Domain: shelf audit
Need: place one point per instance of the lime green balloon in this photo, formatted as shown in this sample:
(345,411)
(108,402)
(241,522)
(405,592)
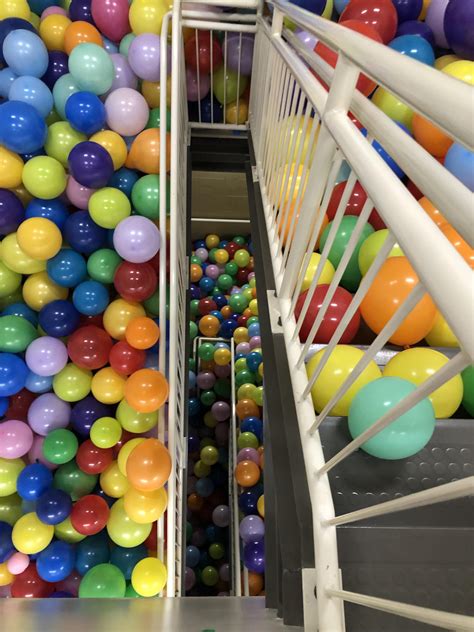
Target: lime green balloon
(134,421)
(103,580)
(60,446)
(105,432)
(10,508)
(216,550)
(146,196)
(74,481)
(468,382)
(61,139)
(247,440)
(125,44)
(62,90)
(154,119)
(9,281)
(109,206)
(257,396)
(102,264)
(9,471)
(65,531)
(16,333)
(209,576)
(92,67)
(370,248)
(72,383)
(226,85)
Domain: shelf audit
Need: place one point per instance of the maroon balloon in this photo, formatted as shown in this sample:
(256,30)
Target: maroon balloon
(381,14)
(111,18)
(126,436)
(89,514)
(89,347)
(93,460)
(135,281)
(200,52)
(19,405)
(334,314)
(354,206)
(30,585)
(206,306)
(125,359)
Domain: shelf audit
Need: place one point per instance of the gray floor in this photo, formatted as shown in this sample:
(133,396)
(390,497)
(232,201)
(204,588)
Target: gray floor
(192,614)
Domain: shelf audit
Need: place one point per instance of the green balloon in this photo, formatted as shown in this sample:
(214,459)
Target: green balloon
(352,276)
(238,302)
(70,479)
(60,446)
(194,307)
(225,281)
(146,196)
(61,139)
(195,259)
(208,398)
(192,364)
(252,320)
(102,264)
(206,351)
(103,580)
(154,119)
(16,333)
(152,304)
(125,44)
(223,388)
(247,440)
(227,86)
(193,330)
(240,239)
(244,377)
(131,593)
(231,268)
(9,281)
(209,576)
(63,88)
(468,382)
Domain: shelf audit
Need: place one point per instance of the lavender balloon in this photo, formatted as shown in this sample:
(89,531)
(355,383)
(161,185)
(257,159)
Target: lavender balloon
(46,356)
(206,380)
(255,342)
(248,454)
(252,529)
(240,53)
(435,20)
(127,111)
(220,411)
(124,76)
(144,57)
(221,516)
(16,438)
(308,39)
(243,347)
(137,239)
(47,413)
(196,90)
(222,371)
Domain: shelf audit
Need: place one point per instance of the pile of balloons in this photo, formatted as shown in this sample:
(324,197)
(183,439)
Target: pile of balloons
(82,474)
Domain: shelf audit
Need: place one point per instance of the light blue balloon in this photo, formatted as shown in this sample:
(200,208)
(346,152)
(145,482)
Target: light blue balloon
(109,46)
(92,68)
(38,384)
(7,77)
(405,436)
(343,173)
(414,46)
(33,91)
(25,53)
(63,88)
(460,162)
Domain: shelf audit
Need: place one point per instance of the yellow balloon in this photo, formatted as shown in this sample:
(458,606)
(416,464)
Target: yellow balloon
(117,316)
(65,531)
(237,116)
(6,577)
(293,133)
(326,275)
(340,365)
(391,105)
(151,91)
(107,386)
(17,260)
(113,482)
(426,4)
(114,144)
(52,30)
(417,365)
(328,9)
(145,507)
(105,432)
(10,508)
(9,471)
(72,383)
(371,246)
(11,168)
(14,9)
(441,334)
(261,506)
(44,177)
(61,140)
(462,70)
(134,421)
(146,16)
(39,237)
(30,535)
(124,531)
(444,60)
(125,453)
(149,577)
(39,290)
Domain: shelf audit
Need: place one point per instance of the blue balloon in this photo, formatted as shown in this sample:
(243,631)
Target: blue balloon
(204,487)
(215,533)
(254,360)
(13,374)
(54,506)
(4,403)
(126,558)
(21,309)
(227,328)
(206,284)
(254,556)
(83,234)
(68,268)
(59,318)
(460,162)
(33,91)
(253,425)
(248,502)
(60,594)
(204,560)
(414,27)
(314,6)
(386,157)
(22,129)
(56,561)
(38,384)
(92,551)
(194,406)
(85,412)
(86,112)
(11,24)
(7,77)
(220,300)
(211,112)
(6,544)
(33,481)
(414,46)
(192,556)
(90,298)
(38,6)
(124,179)
(191,380)
(254,329)
(25,53)
(407,9)
(109,46)
(54,210)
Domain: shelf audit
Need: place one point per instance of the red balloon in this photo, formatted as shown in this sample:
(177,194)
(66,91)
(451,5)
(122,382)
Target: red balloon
(206,306)
(336,310)
(89,514)
(93,460)
(242,275)
(89,347)
(242,320)
(232,248)
(202,51)
(30,585)
(111,18)
(19,405)
(354,206)
(364,84)
(135,281)
(380,14)
(152,540)
(125,359)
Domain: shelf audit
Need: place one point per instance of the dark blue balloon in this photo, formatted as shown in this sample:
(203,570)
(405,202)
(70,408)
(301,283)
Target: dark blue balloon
(11,212)
(199,243)
(68,268)
(215,533)
(21,309)
(13,374)
(194,291)
(83,234)
(248,502)
(56,561)
(90,164)
(53,506)
(192,556)
(253,425)
(33,154)
(220,300)
(193,442)
(407,9)
(61,594)
(59,318)
(38,6)
(11,24)
(206,111)
(90,298)
(206,284)
(92,551)
(6,544)
(57,67)
(194,406)
(124,179)
(98,491)
(227,328)
(386,157)
(459,27)
(314,6)
(85,112)
(126,558)
(22,129)
(85,412)
(81,10)
(33,481)
(54,210)
(204,487)
(4,403)
(205,560)
(413,27)
(254,556)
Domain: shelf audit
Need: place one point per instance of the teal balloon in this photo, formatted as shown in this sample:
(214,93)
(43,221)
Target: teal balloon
(92,68)
(125,44)
(16,333)
(352,276)
(405,436)
(63,88)
(468,383)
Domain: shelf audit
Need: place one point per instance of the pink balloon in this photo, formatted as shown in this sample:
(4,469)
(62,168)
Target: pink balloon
(196,90)
(52,11)
(127,111)
(35,455)
(78,195)
(18,563)
(16,438)
(111,18)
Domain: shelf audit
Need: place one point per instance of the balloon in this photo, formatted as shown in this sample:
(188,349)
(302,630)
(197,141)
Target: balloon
(124,180)
(58,318)
(124,76)
(11,168)
(10,470)
(114,144)
(145,507)
(44,177)
(441,334)
(108,386)
(11,212)
(29,584)
(39,290)
(6,545)
(133,421)
(85,112)
(124,531)
(16,333)
(146,390)
(34,92)
(252,529)
(89,347)
(90,165)
(370,248)
(90,298)
(92,459)
(239,53)
(199,53)
(57,68)
(146,16)
(125,360)
(137,239)
(30,535)
(254,556)
(48,413)
(105,432)
(25,53)
(13,374)
(10,505)
(56,562)
(16,438)
(144,57)
(11,21)
(92,551)
(17,563)
(126,558)
(117,316)
(69,478)
(127,111)
(60,446)
(429,136)
(149,465)
(407,9)
(113,482)
(33,481)
(458,23)
(227,85)
(108,207)
(144,153)
(65,531)
(339,366)
(89,515)
(435,20)
(379,14)
(421,29)
(72,383)
(92,68)
(460,162)
(391,286)
(102,264)
(142,333)
(135,281)
(22,128)
(83,234)
(63,88)
(111,17)
(39,238)
(414,46)
(395,109)
(149,577)
(247,473)
(67,268)
(53,507)
(324,278)
(104,581)
(80,10)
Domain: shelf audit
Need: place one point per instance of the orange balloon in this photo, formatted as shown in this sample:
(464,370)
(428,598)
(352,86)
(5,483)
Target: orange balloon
(195,272)
(247,408)
(255,583)
(208,365)
(142,333)
(195,502)
(226,311)
(434,140)
(81,33)
(146,390)
(393,283)
(209,326)
(433,212)
(149,465)
(464,249)
(247,473)
(144,153)
(286,222)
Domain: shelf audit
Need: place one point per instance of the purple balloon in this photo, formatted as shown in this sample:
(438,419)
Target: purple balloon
(413,27)
(459,27)
(57,67)
(308,39)
(221,516)
(136,239)
(189,578)
(222,433)
(197,90)
(206,380)
(78,194)
(220,411)
(46,356)
(12,212)
(16,438)
(48,413)
(248,454)
(81,10)
(212,271)
(85,412)
(243,347)
(435,20)
(35,455)
(222,371)
(255,342)
(91,165)
(144,57)
(407,9)
(254,556)
(240,53)
(124,76)
(252,529)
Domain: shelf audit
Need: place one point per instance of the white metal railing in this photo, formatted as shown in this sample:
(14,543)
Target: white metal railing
(296,175)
